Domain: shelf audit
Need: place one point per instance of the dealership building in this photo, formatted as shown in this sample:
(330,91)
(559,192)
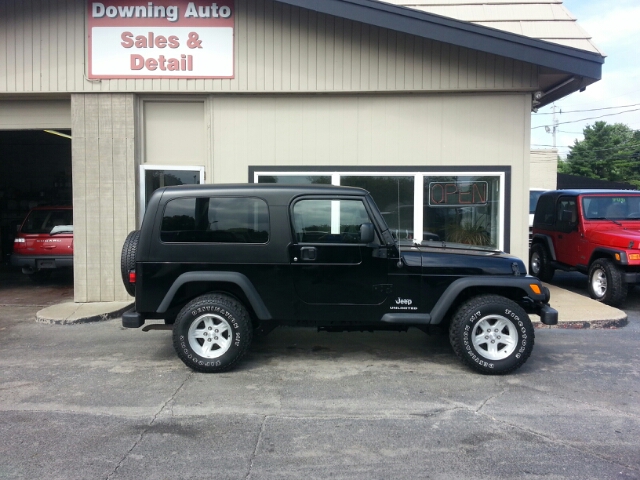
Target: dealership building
(428,106)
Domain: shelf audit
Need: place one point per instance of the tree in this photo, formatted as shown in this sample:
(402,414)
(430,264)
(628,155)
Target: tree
(608,152)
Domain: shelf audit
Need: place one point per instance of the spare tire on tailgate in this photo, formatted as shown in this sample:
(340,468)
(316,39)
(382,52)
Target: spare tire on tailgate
(128,260)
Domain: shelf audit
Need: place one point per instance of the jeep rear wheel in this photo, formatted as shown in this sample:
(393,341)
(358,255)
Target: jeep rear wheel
(211,333)
(539,263)
(606,284)
(492,334)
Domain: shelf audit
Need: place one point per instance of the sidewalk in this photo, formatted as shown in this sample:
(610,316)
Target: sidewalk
(575,311)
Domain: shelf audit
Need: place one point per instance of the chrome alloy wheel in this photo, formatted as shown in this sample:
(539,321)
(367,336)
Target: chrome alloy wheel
(536,263)
(599,282)
(209,336)
(494,337)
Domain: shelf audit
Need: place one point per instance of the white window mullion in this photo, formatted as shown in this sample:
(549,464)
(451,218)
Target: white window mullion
(335,217)
(418,205)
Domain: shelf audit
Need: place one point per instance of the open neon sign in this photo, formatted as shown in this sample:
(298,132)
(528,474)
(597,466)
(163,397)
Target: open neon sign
(458,194)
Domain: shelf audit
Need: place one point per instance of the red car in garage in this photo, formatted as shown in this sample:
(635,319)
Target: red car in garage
(44,242)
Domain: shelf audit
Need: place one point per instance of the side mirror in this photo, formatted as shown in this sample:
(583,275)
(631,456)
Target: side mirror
(367,234)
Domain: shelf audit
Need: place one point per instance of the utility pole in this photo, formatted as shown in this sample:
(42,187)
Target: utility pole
(553,129)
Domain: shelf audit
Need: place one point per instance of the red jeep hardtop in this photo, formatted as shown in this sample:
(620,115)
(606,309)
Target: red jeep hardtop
(596,232)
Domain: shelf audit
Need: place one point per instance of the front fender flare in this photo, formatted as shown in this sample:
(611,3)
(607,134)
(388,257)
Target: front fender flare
(457,287)
(227,277)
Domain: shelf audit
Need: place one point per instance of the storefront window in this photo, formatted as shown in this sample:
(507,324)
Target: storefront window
(153,177)
(463,209)
(394,196)
(296,179)
(424,205)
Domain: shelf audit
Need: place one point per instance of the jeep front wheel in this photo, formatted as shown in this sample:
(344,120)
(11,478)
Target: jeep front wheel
(606,284)
(539,263)
(491,334)
(211,333)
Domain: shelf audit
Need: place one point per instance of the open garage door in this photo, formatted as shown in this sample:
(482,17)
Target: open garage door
(35,166)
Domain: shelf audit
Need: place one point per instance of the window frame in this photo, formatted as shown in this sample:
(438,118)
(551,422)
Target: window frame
(142,192)
(502,172)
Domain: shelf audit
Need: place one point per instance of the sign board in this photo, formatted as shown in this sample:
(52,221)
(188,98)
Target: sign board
(458,194)
(160,39)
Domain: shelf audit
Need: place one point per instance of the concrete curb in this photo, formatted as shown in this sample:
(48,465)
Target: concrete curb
(594,324)
(72,313)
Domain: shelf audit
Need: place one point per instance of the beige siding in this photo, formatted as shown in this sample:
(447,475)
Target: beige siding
(23,114)
(370,131)
(174,133)
(103,192)
(278,48)
(544,169)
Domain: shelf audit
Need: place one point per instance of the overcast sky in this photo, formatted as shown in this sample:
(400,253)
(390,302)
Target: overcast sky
(615,28)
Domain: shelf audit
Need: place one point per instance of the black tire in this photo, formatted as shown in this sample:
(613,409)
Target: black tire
(484,350)
(606,284)
(195,332)
(540,263)
(128,260)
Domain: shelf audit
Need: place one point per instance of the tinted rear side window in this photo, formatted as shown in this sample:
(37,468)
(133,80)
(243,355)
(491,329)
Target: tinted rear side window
(215,220)
(545,211)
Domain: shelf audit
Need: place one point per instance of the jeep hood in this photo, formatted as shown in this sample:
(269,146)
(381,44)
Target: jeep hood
(458,261)
(619,237)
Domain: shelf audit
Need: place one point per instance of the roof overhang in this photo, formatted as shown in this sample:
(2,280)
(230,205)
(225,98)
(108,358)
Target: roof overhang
(581,66)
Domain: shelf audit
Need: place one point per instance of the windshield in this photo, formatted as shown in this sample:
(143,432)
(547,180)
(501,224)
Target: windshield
(44,221)
(611,207)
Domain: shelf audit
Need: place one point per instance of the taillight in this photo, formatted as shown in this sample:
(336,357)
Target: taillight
(19,243)
(132,276)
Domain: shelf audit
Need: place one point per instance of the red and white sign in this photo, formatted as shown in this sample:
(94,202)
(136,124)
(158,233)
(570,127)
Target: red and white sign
(160,39)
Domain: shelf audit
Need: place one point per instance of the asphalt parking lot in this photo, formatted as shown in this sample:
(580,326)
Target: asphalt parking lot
(99,401)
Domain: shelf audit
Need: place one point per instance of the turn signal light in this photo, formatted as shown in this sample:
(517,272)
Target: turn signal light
(634,256)
(535,288)
(132,276)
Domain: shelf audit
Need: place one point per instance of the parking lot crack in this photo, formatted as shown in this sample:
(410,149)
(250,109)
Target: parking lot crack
(492,397)
(565,444)
(169,401)
(255,450)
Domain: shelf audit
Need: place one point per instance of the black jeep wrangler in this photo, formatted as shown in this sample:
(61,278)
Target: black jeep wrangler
(224,262)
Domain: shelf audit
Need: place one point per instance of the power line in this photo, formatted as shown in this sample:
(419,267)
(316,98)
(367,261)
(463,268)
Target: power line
(591,109)
(590,118)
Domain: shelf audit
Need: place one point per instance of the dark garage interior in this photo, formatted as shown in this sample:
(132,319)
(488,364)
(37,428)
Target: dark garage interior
(35,169)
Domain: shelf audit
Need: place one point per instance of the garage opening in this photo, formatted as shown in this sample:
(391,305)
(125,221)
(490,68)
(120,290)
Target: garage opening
(35,171)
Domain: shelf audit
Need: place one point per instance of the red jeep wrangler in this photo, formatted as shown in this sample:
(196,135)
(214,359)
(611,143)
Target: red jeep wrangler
(44,242)
(596,232)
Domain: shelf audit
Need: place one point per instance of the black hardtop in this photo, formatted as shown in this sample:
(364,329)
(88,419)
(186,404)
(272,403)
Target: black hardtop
(274,194)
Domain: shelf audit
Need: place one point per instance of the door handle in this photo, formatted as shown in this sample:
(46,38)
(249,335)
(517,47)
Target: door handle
(309,253)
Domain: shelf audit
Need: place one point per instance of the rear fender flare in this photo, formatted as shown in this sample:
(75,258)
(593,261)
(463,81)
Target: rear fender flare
(547,242)
(227,277)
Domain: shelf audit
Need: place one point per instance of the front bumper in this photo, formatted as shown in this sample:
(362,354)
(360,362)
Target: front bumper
(548,315)
(32,264)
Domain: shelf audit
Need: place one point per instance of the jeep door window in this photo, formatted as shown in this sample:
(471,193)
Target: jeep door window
(329,221)
(215,220)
